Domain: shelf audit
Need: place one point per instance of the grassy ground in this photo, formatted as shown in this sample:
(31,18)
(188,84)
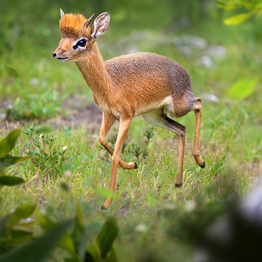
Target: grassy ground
(153,215)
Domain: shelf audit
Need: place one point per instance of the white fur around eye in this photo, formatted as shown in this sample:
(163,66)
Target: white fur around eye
(82,38)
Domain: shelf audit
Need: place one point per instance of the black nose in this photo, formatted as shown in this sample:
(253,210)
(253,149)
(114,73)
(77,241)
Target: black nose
(54,54)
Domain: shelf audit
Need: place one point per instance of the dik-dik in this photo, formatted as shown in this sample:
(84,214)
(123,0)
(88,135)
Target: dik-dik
(128,86)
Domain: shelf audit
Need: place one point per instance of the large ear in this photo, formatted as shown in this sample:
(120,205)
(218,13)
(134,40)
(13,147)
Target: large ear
(61,13)
(100,25)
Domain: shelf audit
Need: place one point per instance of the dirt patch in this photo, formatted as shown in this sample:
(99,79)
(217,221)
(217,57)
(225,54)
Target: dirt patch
(77,114)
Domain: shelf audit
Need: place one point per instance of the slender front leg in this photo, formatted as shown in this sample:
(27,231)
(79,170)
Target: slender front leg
(198,111)
(107,122)
(123,129)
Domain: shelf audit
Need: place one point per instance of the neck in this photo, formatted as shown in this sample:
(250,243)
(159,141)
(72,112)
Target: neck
(94,72)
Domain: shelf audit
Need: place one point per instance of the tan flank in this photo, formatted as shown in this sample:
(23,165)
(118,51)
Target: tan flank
(128,86)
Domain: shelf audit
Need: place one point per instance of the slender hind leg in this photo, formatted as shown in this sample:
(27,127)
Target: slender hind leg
(159,118)
(198,111)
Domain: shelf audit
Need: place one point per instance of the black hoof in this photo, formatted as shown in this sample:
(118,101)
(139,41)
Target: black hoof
(178,185)
(103,208)
(203,166)
(135,165)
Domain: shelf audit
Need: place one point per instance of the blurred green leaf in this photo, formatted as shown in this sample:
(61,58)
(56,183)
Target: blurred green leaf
(20,236)
(105,193)
(228,5)
(106,237)
(243,88)
(65,242)
(8,143)
(3,223)
(38,249)
(91,254)
(12,160)
(20,213)
(10,180)
(80,231)
(235,20)
(111,256)
(68,135)
(11,72)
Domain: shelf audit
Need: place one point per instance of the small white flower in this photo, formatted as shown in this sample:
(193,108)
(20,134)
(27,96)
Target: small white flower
(41,135)
(190,206)
(64,148)
(26,220)
(141,228)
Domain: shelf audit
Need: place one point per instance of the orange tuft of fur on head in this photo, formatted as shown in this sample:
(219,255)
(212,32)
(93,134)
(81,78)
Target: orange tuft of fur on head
(73,26)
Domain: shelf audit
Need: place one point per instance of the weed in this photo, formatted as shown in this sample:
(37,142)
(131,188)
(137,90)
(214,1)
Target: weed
(44,155)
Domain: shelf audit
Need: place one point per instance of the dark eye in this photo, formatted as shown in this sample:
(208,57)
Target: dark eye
(81,43)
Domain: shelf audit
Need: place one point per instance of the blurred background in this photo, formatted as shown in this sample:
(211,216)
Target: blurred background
(224,63)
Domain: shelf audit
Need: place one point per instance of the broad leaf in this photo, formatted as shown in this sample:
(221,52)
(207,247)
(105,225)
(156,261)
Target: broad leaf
(11,71)
(65,242)
(235,20)
(20,236)
(106,237)
(20,213)
(91,254)
(11,160)
(111,256)
(243,88)
(8,143)
(10,180)
(38,249)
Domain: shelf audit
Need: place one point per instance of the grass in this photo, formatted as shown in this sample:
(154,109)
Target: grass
(150,210)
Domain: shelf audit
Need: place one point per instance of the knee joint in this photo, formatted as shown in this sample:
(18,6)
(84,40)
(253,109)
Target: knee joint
(102,141)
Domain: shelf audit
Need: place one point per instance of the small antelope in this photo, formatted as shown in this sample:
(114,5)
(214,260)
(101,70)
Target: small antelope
(127,86)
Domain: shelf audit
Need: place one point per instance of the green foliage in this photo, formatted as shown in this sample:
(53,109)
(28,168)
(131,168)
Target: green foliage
(38,249)
(253,6)
(6,145)
(136,150)
(12,233)
(42,106)
(106,237)
(11,71)
(243,88)
(47,157)
(15,241)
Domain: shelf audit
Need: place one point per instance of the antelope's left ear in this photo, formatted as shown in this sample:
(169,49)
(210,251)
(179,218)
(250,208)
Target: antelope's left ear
(61,13)
(100,25)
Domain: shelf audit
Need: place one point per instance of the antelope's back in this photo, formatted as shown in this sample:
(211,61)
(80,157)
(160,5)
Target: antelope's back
(147,71)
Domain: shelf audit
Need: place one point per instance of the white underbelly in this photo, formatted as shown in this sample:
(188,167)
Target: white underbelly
(165,102)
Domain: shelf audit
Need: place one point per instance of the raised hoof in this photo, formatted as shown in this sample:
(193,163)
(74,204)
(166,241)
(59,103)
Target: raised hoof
(178,185)
(203,166)
(102,208)
(135,165)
